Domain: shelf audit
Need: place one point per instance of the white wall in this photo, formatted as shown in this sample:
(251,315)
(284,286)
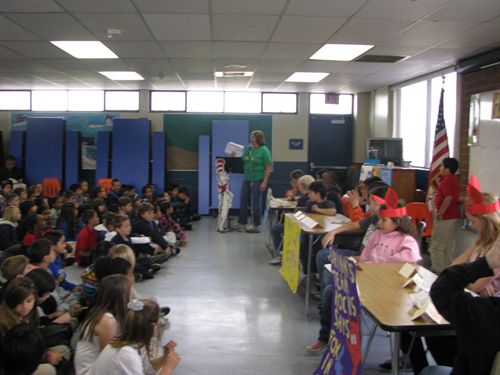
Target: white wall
(362,126)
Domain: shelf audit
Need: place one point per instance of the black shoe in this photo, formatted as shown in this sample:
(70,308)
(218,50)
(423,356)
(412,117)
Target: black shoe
(159,259)
(164,311)
(155,267)
(188,227)
(138,277)
(176,251)
(195,218)
(387,365)
(69,261)
(147,275)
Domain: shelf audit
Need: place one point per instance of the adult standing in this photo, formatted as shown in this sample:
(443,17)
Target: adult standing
(257,166)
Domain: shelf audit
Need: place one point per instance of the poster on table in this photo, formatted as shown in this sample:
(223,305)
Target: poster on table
(88,124)
(290,260)
(343,353)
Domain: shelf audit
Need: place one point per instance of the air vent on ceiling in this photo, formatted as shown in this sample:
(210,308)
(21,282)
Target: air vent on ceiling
(233,74)
(379,58)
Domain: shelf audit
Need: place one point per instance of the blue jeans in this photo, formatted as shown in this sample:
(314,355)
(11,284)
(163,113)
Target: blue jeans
(277,236)
(250,194)
(436,370)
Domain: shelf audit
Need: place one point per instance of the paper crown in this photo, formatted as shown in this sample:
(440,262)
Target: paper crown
(476,205)
(391,201)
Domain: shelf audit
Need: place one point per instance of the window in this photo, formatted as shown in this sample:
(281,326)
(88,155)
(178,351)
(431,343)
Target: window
(86,100)
(121,101)
(417,112)
(15,100)
(242,102)
(205,101)
(49,100)
(279,102)
(317,105)
(168,101)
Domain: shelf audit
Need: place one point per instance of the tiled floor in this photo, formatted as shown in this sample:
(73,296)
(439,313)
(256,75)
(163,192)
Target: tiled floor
(232,313)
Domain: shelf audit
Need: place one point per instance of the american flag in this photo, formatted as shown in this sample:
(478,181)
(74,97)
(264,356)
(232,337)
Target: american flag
(440,149)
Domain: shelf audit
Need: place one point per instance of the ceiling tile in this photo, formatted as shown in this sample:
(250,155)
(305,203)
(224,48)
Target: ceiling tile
(135,49)
(131,25)
(28,65)
(10,31)
(105,64)
(323,8)
(270,76)
(399,10)
(173,6)
(321,66)
(238,49)
(187,49)
(192,65)
(65,64)
(199,85)
(36,49)
(290,50)
(264,86)
(306,29)
(466,10)
(179,26)
(30,6)
(243,27)
(368,31)
(251,64)
(485,35)
(98,6)
(429,33)
(8,54)
(395,50)
(150,67)
(269,7)
(269,65)
(52,26)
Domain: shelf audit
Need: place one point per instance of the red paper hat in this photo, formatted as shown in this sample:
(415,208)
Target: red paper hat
(477,207)
(391,202)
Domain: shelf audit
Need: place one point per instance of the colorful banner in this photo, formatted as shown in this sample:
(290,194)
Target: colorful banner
(87,123)
(291,249)
(343,355)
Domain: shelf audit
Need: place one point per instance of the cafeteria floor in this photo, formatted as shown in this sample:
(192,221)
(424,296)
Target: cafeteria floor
(232,313)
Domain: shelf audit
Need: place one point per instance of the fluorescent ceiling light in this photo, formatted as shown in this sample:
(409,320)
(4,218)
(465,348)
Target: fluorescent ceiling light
(340,52)
(123,76)
(306,77)
(85,49)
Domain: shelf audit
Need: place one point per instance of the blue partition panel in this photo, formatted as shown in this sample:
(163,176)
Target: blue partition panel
(130,151)
(158,153)
(72,164)
(44,148)
(204,174)
(102,155)
(17,140)
(224,131)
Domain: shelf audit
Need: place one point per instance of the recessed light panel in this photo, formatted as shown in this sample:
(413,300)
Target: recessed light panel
(123,76)
(85,49)
(306,77)
(340,52)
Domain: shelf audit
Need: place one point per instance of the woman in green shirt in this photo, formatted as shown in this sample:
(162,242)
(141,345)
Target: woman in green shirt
(257,166)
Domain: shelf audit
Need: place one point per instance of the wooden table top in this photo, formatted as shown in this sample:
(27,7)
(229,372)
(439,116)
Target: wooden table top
(381,294)
(326,223)
(282,203)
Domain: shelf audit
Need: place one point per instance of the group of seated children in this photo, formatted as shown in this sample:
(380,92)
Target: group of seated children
(116,331)
(388,236)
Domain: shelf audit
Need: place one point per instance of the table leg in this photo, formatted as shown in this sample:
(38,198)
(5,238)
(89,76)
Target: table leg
(308,276)
(396,344)
(269,242)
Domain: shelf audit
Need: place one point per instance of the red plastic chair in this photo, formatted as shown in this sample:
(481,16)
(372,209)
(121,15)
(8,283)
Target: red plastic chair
(419,212)
(51,187)
(106,184)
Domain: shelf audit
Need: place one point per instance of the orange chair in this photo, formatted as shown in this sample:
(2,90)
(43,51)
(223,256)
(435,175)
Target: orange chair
(51,187)
(419,212)
(106,184)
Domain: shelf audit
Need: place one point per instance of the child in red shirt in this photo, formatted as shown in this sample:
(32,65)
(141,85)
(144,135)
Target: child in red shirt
(446,216)
(87,238)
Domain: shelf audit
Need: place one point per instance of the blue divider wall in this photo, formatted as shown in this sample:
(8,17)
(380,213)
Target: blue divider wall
(130,151)
(158,167)
(203,174)
(72,152)
(44,148)
(102,156)
(224,131)
(17,141)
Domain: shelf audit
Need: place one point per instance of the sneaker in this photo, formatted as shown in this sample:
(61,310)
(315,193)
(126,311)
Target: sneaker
(316,347)
(387,365)
(237,226)
(155,267)
(164,311)
(138,277)
(276,261)
(252,229)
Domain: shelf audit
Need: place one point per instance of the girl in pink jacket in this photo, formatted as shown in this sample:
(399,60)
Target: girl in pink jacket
(395,240)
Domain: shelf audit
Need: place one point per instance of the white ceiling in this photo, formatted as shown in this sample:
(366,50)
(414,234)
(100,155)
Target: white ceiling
(178,44)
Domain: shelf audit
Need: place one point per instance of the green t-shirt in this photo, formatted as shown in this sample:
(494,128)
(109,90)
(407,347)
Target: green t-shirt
(255,161)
